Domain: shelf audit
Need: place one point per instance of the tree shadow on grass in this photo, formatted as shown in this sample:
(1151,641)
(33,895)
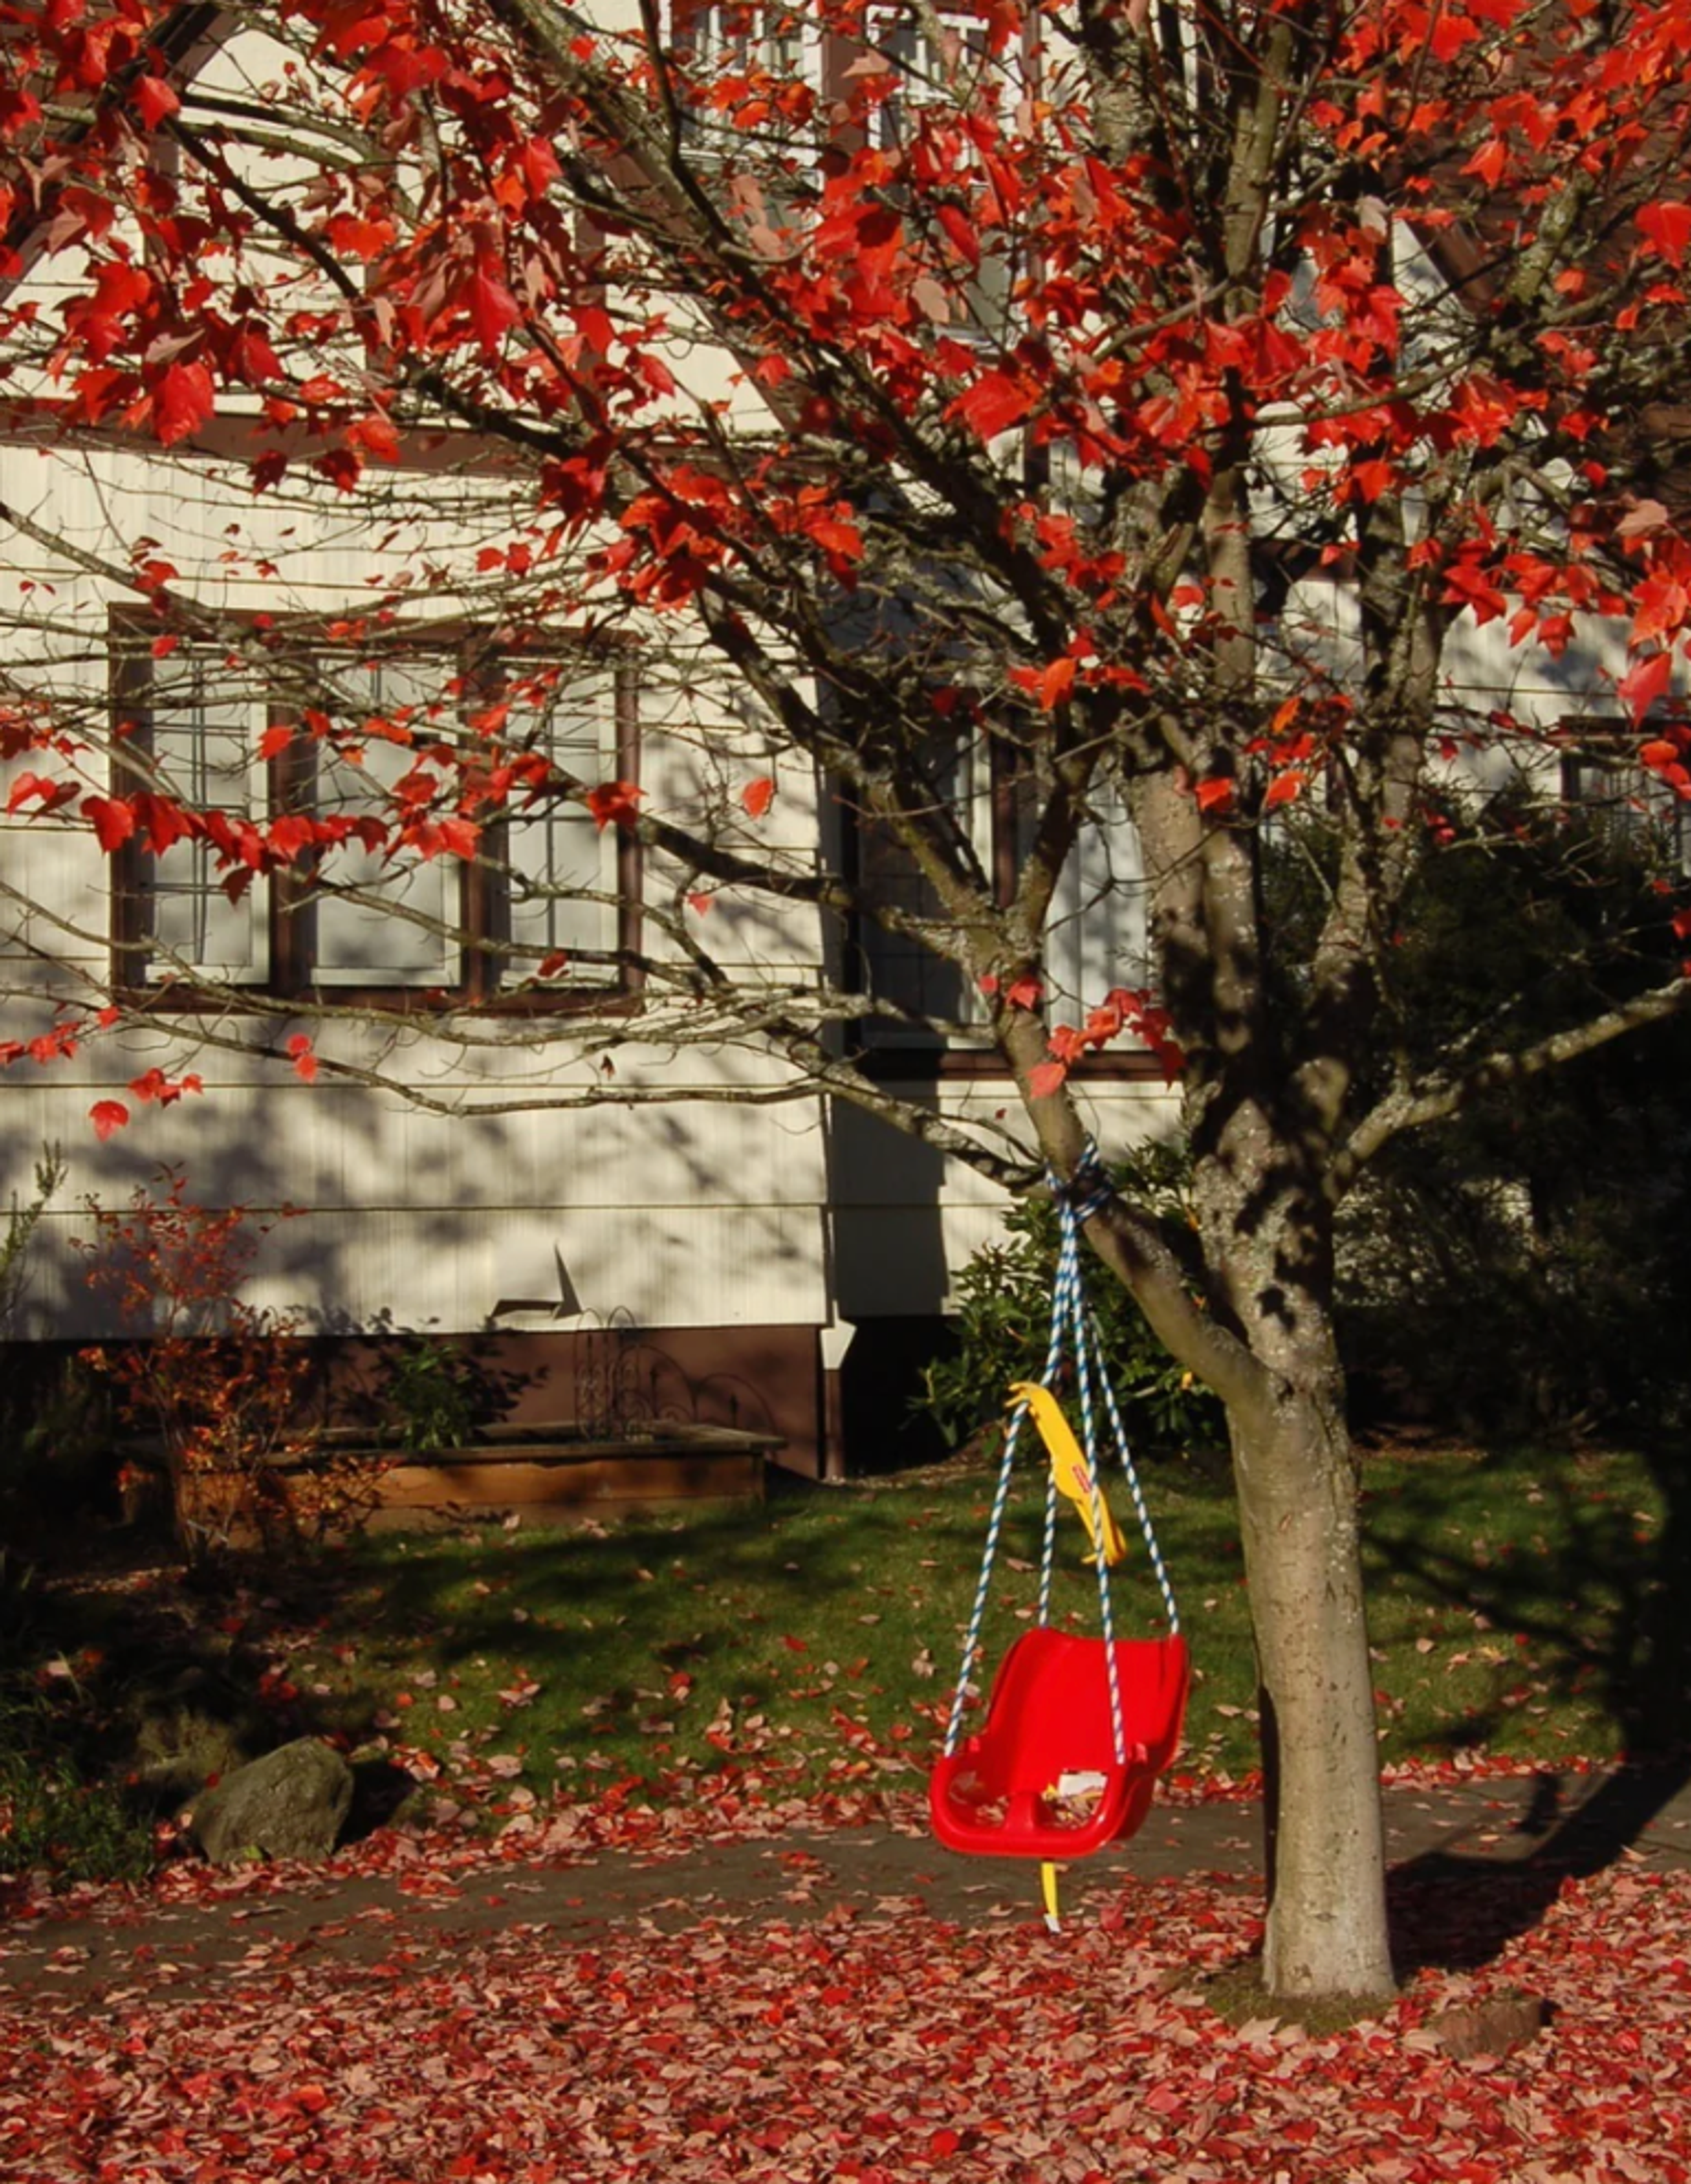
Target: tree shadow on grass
(808,1603)
(1603,1618)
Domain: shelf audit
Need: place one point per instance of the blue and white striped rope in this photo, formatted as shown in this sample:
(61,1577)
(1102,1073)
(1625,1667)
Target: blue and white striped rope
(995,1523)
(1087,1194)
(1073,1325)
(1141,1508)
(1047,1561)
(1072,1306)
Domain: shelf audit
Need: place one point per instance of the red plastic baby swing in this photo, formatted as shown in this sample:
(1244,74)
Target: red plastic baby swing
(1022,1786)
(1077,1729)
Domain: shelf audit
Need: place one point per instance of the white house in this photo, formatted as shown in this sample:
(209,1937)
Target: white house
(480,1160)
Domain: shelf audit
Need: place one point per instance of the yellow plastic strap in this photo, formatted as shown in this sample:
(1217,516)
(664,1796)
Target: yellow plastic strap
(1071,1470)
(1047,1882)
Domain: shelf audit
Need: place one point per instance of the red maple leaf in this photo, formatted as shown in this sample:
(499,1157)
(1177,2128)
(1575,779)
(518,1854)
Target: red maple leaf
(113,821)
(1666,225)
(154,100)
(183,397)
(1645,683)
(614,803)
(493,310)
(166,1090)
(960,233)
(993,404)
(1215,795)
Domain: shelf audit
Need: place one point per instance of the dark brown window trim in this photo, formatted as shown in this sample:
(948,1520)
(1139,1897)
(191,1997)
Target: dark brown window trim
(926,1060)
(907,1064)
(131,633)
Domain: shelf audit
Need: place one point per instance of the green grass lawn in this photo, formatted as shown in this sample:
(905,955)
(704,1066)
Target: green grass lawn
(1522,1605)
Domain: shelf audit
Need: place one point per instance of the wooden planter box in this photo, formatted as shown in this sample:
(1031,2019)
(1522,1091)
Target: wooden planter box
(542,1473)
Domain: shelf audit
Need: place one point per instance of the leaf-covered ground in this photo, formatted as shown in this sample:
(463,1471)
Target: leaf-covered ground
(825,2038)
(866,2047)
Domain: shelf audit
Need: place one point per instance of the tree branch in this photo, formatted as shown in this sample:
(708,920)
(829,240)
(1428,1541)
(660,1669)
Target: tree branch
(1442,1095)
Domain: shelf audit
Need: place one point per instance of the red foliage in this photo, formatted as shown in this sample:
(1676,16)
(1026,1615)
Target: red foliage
(220,1382)
(1126,360)
(827,2041)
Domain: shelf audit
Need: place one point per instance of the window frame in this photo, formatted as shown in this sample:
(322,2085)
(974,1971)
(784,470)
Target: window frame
(477,927)
(915,1056)
(1605,748)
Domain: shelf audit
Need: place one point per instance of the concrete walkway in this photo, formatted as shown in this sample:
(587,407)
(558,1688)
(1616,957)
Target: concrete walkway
(1471,1863)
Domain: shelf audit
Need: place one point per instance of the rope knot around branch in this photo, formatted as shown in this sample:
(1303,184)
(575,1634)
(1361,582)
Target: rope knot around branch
(1088,1190)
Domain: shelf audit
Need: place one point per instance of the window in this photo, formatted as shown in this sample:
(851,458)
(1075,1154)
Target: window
(941,56)
(1604,778)
(726,39)
(941,59)
(893,965)
(242,739)
(1096,937)
(749,73)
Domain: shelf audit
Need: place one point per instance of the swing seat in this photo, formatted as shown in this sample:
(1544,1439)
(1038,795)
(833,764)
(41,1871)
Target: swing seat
(1047,1728)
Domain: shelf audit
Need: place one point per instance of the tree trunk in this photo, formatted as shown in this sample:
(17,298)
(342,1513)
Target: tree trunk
(1327,1917)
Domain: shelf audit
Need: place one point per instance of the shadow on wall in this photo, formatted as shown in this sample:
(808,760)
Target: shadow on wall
(889,1279)
(480,1208)
(686,1215)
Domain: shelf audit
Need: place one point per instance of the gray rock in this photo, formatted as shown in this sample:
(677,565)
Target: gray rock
(291,1804)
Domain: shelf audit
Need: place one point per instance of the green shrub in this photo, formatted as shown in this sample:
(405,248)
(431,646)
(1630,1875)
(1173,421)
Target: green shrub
(1517,1270)
(432,1392)
(1003,1324)
(52,1816)
(53,1819)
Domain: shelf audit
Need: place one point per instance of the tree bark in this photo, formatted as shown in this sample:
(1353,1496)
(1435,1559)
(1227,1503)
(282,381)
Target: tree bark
(1326,1932)
(1267,1235)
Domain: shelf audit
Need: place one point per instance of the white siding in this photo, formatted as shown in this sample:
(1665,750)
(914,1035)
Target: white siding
(695,1216)
(906,1219)
(697,1213)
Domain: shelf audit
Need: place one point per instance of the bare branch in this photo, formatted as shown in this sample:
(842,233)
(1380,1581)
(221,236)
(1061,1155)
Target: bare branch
(1439,1096)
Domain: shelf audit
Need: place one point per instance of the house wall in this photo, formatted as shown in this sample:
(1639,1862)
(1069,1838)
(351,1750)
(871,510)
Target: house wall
(745,1243)
(768,1243)
(697,1226)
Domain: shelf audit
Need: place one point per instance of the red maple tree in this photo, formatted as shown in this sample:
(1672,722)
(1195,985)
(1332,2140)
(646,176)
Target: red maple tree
(1255,421)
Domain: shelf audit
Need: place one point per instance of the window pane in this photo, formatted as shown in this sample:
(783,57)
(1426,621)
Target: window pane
(746,37)
(205,744)
(1095,938)
(897,968)
(563,875)
(941,59)
(405,934)
(547,880)
(1630,805)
